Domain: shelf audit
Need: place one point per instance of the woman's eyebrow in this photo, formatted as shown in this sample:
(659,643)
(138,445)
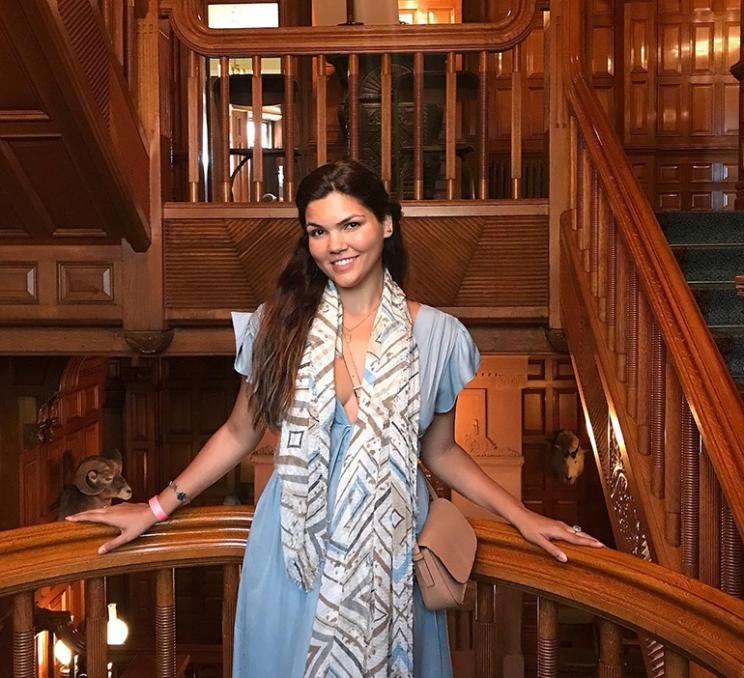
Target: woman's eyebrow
(343,221)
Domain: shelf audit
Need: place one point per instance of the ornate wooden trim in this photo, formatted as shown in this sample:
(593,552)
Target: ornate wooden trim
(189,24)
(688,615)
(148,343)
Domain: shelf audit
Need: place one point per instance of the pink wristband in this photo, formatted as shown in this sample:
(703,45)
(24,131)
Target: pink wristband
(157,509)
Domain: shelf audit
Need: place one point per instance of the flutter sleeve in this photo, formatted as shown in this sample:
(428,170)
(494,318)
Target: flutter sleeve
(245,326)
(459,367)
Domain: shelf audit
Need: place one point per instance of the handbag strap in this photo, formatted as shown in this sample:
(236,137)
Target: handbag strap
(432,492)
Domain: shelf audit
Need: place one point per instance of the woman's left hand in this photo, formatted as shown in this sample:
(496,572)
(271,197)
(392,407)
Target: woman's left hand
(543,531)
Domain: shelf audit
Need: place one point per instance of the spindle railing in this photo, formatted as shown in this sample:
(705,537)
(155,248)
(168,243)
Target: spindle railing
(695,620)
(669,434)
(395,58)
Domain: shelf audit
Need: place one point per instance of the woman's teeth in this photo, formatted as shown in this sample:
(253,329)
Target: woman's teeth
(340,263)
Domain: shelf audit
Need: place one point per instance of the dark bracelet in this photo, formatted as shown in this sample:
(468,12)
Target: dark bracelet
(180,494)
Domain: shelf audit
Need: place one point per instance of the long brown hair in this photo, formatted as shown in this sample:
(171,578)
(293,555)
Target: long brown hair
(287,316)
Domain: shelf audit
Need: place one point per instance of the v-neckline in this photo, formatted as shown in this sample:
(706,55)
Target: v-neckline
(349,422)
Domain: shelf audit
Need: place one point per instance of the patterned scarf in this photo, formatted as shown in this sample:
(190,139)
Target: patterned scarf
(361,547)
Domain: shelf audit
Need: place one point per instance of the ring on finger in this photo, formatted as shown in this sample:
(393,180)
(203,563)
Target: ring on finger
(577,529)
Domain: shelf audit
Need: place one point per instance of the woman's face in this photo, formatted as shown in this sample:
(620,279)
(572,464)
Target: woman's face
(345,238)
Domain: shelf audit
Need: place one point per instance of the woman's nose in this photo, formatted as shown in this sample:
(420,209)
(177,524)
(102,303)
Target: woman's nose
(336,241)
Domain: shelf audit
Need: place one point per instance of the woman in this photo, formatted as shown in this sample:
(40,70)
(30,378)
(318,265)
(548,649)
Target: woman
(361,382)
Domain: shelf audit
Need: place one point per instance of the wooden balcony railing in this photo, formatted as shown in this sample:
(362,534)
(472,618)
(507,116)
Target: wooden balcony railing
(405,93)
(695,621)
(665,415)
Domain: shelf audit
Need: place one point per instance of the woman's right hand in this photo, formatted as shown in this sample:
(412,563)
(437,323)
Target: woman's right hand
(131,519)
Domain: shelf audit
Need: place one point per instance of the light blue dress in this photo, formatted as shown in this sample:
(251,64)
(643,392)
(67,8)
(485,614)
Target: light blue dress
(274,615)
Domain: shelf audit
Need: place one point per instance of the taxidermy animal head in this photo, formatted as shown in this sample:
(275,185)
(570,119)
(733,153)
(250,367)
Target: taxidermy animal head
(567,458)
(96,481)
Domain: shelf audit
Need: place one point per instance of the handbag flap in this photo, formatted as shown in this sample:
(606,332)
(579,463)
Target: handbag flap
(449,535)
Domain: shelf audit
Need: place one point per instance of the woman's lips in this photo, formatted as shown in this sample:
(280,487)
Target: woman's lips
(345,263)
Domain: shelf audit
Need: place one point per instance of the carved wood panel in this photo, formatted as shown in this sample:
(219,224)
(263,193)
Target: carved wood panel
(498,262)
(61,284)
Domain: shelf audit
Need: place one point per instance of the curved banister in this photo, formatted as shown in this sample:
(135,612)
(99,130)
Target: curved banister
(707,384)
(501,35)
(700,621)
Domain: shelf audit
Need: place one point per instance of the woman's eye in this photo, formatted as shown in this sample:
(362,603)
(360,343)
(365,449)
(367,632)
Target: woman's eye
(352,224)
(316,232)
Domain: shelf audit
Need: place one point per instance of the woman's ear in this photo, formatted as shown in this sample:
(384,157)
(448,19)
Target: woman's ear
(387,226)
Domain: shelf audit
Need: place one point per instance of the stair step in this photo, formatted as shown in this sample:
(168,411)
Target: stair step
(702,227)
(730,342)
(710,262)
(719,303)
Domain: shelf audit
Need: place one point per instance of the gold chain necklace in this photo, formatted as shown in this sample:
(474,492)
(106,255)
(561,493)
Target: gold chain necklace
(347,331)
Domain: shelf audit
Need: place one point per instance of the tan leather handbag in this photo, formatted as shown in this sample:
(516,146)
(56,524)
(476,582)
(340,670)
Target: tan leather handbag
(444,554)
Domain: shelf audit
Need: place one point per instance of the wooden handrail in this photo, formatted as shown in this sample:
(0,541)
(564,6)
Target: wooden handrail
(188,23)
(707,384)
(699,621)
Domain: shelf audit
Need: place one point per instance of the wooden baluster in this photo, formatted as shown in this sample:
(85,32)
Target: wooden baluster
(165,624)
(354,106)
(604,218)
(547,638)
(573,170)
(386,121)
(483,126)
(690,490)
(610,650)
(658,397)
(621,311)
(587,178)
(418,126)
(632,343)
(130,49)
(675,665)
(257,109)
(288,127)
(224,115)
(594,236)
(194,123)
(611,283)
(485,630)
(118,32)
(321,131)
(643,400)
(96,647)
(450,129)
(107,10)
(709,542)
(731,554)
(516,123)
(672,457)
(24,645)
(230,579)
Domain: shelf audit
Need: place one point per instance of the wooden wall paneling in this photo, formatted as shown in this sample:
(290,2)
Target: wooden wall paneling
(640,77)
(62,284)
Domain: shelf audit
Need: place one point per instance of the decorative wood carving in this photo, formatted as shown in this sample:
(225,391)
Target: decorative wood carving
(149,343)
(86,283)
(246,254)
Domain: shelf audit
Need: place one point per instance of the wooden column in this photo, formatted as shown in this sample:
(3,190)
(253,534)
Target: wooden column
(230,579)
(165,624)
(547,638)
(418,126)
(321,131)
(484,630)
(386,121)
(24,647)
(737,70)
(257,110)
(96,647)
(610,650)
(288,127)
